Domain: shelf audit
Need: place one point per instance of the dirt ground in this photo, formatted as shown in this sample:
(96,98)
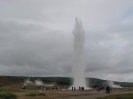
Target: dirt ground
(88,94)
(94,94)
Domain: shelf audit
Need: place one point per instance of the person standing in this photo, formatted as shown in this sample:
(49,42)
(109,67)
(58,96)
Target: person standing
(107,89)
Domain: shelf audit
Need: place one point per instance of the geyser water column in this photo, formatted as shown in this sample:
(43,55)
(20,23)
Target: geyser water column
(78,69)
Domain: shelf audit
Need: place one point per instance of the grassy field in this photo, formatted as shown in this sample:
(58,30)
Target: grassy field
(14,92)
(29,94)
(10,89)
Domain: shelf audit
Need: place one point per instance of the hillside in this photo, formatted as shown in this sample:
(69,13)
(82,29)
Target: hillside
(62,81)
(5,80)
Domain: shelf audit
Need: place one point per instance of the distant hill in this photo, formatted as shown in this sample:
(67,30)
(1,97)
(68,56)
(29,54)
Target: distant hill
(5,80)
(62,81)
(94,82)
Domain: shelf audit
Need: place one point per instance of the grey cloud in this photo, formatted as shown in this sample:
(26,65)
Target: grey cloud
(33,45)
(36,37)
(109,51)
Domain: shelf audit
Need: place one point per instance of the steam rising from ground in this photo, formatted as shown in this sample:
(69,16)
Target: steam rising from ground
(113,85)
(38,82)
(27,82)
(78,59)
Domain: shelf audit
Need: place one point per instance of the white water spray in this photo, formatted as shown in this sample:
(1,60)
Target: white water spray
(79,66)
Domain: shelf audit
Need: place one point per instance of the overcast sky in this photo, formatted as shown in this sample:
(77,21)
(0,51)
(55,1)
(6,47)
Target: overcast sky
(36,37)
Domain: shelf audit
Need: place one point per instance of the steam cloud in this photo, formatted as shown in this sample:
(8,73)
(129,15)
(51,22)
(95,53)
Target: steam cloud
(38,82)
(111,84)
(27,82)
(78,58)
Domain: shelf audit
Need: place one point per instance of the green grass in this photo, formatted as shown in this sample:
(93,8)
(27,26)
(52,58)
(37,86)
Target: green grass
(99,98)
(9,90)
(31,94)
(119,96)
(35,94)
(7,96)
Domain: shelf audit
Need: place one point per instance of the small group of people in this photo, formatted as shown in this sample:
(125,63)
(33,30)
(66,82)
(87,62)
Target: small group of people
(41,87)
(80,88)
(108,89)
(73,88)
(100,88)
(51,88)
(23,87)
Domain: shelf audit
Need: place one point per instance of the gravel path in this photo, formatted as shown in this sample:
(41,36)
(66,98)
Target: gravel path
(93,96)
(88,96)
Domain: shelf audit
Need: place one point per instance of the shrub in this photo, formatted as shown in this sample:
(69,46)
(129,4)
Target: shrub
(31,94)
(8,96)
(118,97)
(99,98)
(42,94)
(36,94)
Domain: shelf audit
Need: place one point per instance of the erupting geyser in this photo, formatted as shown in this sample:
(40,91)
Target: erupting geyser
(78,69)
